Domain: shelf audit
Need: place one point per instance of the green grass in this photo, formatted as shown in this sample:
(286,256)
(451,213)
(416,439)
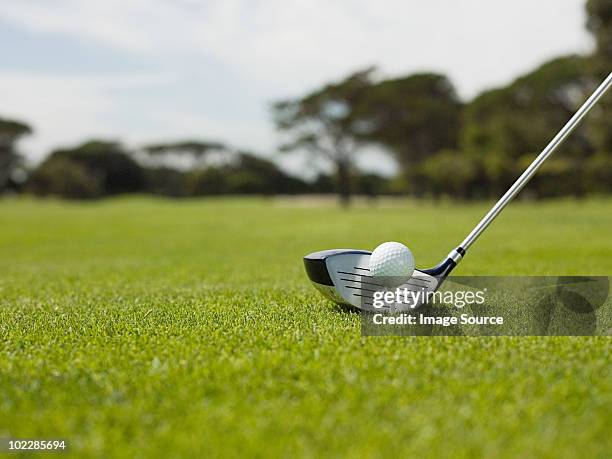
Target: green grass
(154,328)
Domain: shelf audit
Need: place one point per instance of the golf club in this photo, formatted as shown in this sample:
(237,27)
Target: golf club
(343,275)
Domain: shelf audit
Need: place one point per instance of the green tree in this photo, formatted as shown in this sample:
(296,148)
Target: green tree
(270,179)
(449,172)
(243,173)
(209,181)
(10,132)
(522,117)
(598,173)
(599,23)
(322,123)
(165,181)
(169,164)
(107,165)
(64,178)
(413,117)
(196,149)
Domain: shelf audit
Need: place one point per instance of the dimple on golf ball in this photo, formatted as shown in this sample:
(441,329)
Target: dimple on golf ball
(391,264)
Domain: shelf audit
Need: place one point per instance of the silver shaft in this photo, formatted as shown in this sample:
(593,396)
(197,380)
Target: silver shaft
(535,165)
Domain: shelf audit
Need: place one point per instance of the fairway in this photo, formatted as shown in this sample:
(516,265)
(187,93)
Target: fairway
(143,327)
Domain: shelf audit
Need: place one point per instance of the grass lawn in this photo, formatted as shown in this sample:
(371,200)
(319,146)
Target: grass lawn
(155,328)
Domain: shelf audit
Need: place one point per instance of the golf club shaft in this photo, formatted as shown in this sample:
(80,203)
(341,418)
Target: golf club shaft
(535,165)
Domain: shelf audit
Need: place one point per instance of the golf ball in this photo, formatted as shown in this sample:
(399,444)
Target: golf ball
(392,264)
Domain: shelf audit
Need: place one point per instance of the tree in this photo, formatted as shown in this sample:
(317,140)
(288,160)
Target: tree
(64,178)
(165,181)
(190,151)
(212,168)
(245,173)
(183,154)
(599,23)
(450,172)
(414,116)
(522,117)
(168,165)
(10,132)
(106,164)
(322,123)
(268,177)
(505,125)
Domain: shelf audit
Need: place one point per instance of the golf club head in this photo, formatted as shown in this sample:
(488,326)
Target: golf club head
(343,276)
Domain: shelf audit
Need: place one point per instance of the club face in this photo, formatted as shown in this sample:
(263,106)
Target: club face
(343,275)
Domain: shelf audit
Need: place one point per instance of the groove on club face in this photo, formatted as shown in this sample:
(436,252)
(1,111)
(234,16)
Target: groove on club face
(343,275)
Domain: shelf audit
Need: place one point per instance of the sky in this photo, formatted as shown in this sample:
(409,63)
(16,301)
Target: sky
(147,71)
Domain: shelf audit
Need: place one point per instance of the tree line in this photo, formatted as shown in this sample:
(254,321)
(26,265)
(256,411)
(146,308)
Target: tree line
(442,145)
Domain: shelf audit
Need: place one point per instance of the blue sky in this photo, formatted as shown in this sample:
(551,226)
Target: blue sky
(154,70)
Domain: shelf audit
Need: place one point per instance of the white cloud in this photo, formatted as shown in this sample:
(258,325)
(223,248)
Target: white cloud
(293,44)
(125,25)
(277,48)
(65,110)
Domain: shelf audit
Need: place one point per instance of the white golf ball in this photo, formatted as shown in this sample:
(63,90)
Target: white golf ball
(391,264)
